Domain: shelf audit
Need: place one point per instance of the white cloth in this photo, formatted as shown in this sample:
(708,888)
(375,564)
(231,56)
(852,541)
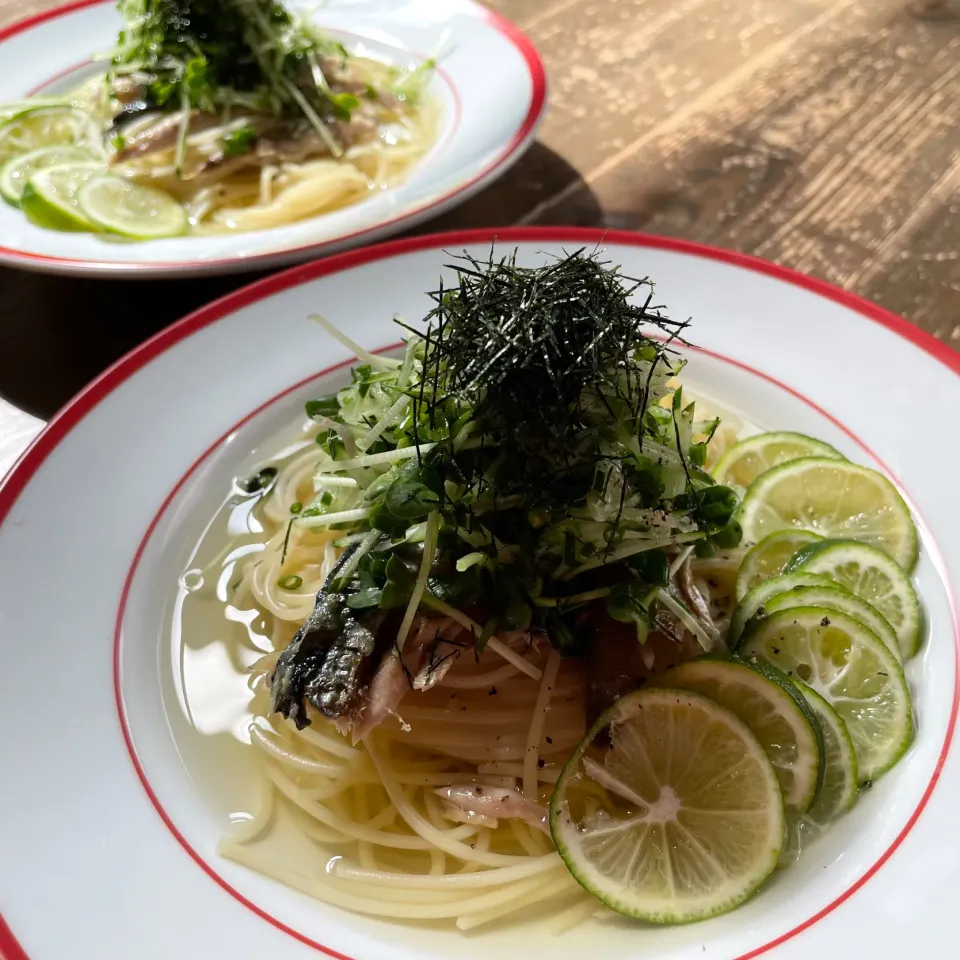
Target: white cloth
(17,429)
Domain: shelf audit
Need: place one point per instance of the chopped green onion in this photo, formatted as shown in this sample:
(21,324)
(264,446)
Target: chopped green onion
(686,618)
(382,363)
(374,459)
(386,421)
(429,552)
(470,560)
(290,583)
(328,519)
(239,142)
(679,561)
(577,598)
(367,542)
(411,84)
(628,550)
(328,406)
(183,131)
(323,131)
(329,480)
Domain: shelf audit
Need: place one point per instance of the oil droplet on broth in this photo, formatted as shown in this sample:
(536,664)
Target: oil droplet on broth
(191,580)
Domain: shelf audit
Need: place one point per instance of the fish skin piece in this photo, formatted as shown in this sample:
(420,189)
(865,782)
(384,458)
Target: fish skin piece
(336,686)
(398,674)
(304,658)
(495,803)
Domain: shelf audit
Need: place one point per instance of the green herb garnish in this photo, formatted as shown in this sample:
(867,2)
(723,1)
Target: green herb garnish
(560,464)
(213,54)
(239,142)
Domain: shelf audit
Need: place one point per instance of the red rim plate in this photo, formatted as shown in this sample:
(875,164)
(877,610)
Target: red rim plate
(72,414)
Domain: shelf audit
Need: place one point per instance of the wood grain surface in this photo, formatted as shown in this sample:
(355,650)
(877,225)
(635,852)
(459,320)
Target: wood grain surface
(823,134)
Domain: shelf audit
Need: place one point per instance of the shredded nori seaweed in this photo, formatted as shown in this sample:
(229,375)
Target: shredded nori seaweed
(516,349)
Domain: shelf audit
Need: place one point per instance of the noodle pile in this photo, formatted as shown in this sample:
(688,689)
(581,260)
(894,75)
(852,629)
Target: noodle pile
(374,805)
(386,843)
(220,198)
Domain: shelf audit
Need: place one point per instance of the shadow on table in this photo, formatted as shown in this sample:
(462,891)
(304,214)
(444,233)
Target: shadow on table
(58,333)
(538,175)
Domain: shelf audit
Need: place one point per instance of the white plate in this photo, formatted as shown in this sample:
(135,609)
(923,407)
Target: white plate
(107,823)
(490,83)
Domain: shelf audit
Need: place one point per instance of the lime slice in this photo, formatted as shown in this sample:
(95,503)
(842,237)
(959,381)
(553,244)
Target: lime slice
(124,207)
(47,127)
(872,576)
(837,598)
(753,603)
(774,710)
(746,460)
(16,172)
(49,198)
(680,819)
(851,669)
(767,558)
(838,791)
(833,498)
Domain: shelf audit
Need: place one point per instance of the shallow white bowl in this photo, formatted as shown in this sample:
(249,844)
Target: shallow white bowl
(107,831)
(490,83)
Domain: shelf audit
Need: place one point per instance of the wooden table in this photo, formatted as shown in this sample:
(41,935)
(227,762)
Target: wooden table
(824,134)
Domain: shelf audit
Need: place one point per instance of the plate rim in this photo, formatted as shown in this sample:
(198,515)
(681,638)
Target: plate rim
(72,414)
(505,158)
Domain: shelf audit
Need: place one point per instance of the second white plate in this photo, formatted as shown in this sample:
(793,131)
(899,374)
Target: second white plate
(490,84)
